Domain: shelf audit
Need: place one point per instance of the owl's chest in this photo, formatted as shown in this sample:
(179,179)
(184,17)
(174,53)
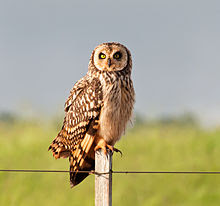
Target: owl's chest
(115,113)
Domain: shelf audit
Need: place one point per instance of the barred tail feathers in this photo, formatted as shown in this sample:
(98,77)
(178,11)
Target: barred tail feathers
(82,159)
(59,148)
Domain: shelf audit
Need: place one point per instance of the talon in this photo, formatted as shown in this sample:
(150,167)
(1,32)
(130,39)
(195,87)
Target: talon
(101,144)
(103,148)
(113,149)
(117,150)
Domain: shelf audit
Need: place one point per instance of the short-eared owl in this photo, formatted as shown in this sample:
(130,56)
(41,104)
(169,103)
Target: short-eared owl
(97,110)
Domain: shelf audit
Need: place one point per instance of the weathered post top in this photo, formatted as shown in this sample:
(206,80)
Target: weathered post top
(103,182)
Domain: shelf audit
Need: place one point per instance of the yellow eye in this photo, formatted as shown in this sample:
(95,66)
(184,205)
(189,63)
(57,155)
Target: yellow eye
(102,56)
(117,55)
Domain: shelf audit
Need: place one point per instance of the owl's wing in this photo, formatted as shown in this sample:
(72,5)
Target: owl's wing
(79,87)
(82,109)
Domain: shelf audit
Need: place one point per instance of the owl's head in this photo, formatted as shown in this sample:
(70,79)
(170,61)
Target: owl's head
(111,57)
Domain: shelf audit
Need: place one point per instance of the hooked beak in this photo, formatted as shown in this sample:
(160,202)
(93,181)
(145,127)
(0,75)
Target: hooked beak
(109,62)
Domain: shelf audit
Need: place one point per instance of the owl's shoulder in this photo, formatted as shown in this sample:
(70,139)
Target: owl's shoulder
(88,87)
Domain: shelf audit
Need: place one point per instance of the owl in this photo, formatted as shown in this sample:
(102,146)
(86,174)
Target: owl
(97,110)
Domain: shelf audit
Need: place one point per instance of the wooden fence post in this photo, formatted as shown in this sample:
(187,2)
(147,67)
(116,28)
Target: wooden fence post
(103,182)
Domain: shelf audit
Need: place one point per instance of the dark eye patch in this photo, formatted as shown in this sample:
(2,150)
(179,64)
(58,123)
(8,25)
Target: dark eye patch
(117,55)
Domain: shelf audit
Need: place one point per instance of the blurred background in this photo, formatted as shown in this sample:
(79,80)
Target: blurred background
(45,47)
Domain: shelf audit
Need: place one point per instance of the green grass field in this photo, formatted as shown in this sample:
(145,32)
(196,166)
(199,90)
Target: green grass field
(155,147)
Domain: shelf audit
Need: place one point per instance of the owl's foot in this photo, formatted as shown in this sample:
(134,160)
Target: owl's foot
(101,144)
(113,149)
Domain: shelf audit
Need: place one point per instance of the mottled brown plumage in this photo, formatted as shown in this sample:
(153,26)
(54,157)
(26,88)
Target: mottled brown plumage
(97,110)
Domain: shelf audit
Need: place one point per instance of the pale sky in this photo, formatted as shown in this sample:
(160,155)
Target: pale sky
(45,46)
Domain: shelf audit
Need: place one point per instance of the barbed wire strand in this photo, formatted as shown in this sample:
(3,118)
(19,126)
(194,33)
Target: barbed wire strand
(167,172)
(116,172)
(44,171)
